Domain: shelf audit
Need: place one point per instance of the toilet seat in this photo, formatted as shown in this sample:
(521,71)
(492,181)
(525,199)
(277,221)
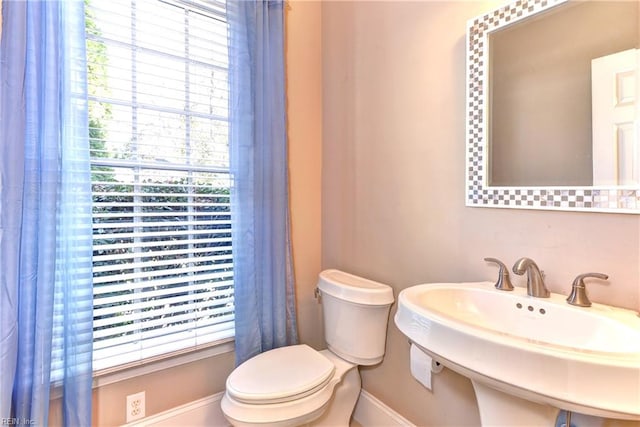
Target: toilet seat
(293,406)
(280,375)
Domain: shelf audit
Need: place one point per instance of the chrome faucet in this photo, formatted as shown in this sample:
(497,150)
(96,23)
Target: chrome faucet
(535,280)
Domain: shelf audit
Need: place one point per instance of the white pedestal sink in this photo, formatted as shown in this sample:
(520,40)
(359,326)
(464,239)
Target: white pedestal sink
(528,357)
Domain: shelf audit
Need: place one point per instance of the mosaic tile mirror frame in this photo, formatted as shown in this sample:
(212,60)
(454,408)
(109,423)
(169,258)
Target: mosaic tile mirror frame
(478,192)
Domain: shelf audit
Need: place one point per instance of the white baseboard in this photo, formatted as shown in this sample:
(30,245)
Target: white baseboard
(199,413)
(371,412)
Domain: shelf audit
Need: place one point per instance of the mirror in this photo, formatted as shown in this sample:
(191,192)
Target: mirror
(542,132)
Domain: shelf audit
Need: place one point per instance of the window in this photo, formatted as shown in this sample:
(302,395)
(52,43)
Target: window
(158,113)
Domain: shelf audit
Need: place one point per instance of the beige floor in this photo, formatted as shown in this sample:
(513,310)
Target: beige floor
(354,423)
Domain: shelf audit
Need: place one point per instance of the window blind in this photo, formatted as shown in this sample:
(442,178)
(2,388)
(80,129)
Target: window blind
(158,113)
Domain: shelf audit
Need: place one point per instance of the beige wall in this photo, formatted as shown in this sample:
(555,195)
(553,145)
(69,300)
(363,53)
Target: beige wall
(304,96)
(393,186)
(163,389)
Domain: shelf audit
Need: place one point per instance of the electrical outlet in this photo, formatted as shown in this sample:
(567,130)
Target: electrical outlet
(135,406)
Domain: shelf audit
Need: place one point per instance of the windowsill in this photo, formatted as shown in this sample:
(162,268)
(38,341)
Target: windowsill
(124,373)
(115,375)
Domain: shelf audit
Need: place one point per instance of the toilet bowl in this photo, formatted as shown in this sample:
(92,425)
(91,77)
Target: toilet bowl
(297,385)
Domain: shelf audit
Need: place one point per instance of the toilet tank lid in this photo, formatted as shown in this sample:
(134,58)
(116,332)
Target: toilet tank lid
(354,289)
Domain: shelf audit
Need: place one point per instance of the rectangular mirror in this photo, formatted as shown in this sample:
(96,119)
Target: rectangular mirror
(552,119)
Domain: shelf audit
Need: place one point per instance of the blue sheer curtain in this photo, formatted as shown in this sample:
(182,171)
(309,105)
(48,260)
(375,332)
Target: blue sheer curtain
(45,213)
(263,274)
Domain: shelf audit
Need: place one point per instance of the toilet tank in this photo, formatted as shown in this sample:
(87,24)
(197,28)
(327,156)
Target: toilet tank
(356,313)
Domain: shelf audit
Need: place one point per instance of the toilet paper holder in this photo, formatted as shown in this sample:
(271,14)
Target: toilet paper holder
(422,365)
(436,367)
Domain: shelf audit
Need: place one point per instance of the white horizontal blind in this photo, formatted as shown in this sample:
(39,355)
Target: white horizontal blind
(158,103)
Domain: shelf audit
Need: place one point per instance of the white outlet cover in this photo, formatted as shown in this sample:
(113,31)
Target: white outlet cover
(135,406)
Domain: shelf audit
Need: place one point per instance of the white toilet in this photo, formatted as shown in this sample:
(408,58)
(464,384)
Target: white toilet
(297,385)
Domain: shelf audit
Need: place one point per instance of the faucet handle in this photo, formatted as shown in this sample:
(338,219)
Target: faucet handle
(504,282)
(578,294)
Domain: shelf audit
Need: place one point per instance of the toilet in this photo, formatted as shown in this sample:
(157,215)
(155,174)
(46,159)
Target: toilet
(297,385)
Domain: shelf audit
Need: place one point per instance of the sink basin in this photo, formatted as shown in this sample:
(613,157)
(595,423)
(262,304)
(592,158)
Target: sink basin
(542,350)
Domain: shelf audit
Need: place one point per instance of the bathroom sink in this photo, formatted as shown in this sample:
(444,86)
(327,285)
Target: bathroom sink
(542,350)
